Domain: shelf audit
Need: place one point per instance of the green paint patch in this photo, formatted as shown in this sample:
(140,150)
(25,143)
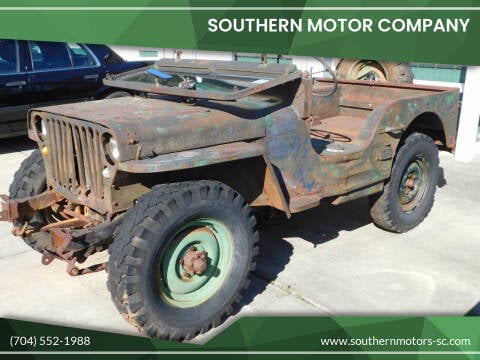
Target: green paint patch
(268,120)
(201,163)
(450,99)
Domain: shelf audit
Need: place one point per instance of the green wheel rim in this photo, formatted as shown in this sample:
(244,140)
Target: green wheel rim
(413,184)
(207,235)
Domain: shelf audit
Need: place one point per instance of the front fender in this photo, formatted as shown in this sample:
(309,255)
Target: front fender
(271,193)
(188,159)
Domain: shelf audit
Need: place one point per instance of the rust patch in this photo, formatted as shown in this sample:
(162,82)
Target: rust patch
(60,239)
(18,209)
(68,223)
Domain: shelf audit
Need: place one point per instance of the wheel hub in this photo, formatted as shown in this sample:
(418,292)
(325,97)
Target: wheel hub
(194,262)
(413,184)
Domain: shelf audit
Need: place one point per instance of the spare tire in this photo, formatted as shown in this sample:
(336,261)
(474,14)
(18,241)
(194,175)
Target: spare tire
(116,94)
(374,70)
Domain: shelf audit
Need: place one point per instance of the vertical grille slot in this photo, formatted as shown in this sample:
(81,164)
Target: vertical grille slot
(79,158)
(64,155)
(76,157)
(91,159)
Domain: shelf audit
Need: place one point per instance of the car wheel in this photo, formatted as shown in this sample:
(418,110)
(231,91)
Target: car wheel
(181,258)
(408,195)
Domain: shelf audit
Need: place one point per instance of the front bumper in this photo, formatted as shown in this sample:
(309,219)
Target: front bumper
(71,240)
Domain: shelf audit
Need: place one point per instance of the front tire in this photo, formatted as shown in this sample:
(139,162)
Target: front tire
(408,196)
(29,180)
(147,280)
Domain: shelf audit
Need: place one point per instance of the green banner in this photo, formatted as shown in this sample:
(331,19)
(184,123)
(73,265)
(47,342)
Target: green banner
(422,31)
(255,337)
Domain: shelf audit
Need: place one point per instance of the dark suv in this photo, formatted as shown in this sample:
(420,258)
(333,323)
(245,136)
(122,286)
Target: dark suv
(38,73)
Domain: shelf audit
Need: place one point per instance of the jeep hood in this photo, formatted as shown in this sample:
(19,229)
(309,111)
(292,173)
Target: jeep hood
(146,127)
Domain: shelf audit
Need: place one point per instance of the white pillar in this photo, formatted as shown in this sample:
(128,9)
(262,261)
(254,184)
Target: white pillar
(469,116)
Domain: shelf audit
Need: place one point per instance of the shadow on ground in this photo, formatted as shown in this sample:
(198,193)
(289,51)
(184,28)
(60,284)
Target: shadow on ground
(316,226)
(441,178)
(320,224)
(474,311)
(15,144)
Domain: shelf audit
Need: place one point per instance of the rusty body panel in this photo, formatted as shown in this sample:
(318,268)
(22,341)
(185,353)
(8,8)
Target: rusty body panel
(194,158)
(75,159)
(300,140)
(15,210)
(348,146)
(147,127)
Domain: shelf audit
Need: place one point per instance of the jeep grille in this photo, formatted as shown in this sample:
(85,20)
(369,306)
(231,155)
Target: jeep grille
(76,160)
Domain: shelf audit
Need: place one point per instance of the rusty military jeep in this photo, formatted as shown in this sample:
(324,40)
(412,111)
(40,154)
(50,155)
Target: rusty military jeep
(169,180)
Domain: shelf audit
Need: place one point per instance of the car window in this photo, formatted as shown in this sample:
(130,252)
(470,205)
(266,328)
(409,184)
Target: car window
(48,55)
(80,56)
(105,54)
(9,57)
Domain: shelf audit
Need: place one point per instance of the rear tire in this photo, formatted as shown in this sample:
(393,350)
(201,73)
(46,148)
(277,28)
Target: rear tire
(147,282)
(408,196)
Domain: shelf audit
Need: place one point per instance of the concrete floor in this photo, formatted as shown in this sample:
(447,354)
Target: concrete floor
(327,261)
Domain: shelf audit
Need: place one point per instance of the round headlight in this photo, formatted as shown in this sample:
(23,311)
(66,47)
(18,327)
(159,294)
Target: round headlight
(110,146)
(43,127)
(114,149)
(40,127)
(106,173)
